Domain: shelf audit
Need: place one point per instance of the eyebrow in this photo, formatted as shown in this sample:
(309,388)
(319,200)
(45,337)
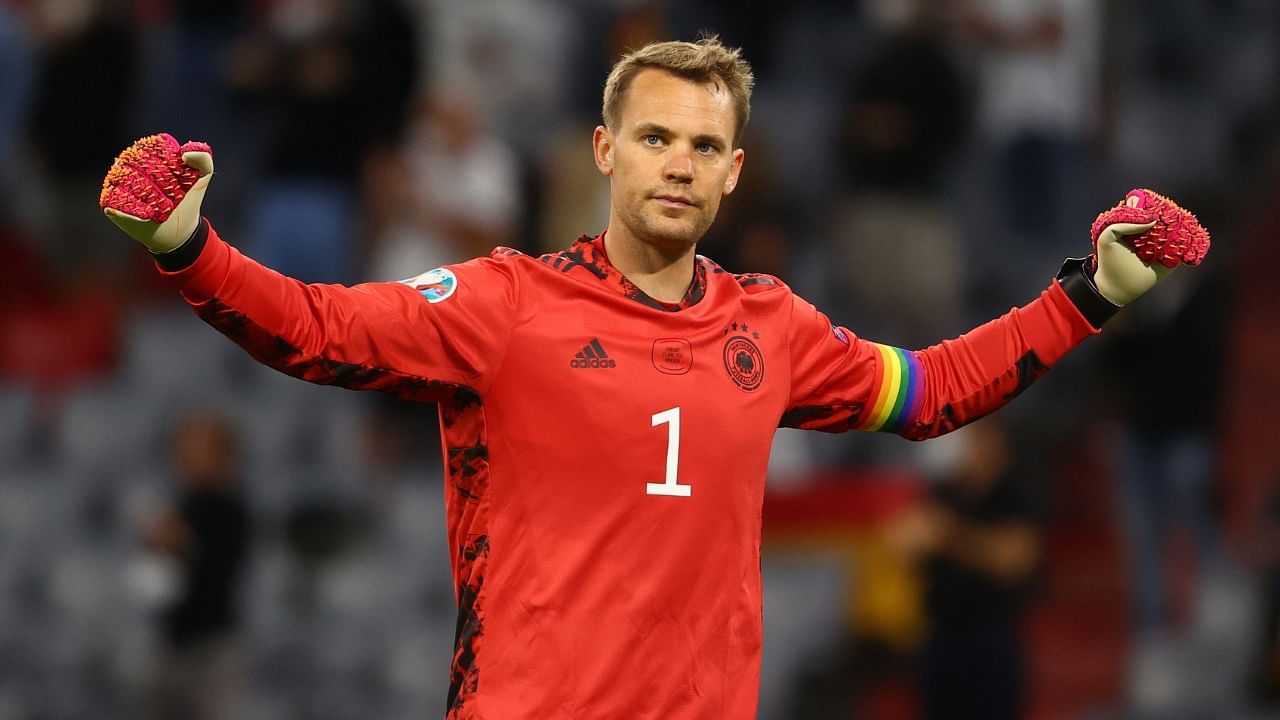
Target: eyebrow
(648,128)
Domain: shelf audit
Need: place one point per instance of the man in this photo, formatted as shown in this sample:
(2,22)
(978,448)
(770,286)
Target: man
(607,411)
(199,671)
(978,539)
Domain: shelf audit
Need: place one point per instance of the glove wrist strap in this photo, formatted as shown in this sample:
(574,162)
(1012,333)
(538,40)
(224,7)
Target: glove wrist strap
(183,256)
(1082,291)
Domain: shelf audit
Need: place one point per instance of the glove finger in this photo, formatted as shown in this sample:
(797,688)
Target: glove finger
(200,159)
(138,197)
(149,193)
(1125,228)
(194,146)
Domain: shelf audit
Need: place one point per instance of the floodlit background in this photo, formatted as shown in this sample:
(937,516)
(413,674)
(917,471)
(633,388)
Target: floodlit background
(1105,548)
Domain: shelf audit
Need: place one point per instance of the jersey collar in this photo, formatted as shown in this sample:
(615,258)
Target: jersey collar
(587,255)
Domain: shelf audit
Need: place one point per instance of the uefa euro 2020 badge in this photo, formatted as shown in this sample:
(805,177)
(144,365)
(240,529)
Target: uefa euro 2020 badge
(435,285)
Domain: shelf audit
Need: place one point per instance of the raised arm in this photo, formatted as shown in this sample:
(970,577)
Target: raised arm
(420,339)
(842,382)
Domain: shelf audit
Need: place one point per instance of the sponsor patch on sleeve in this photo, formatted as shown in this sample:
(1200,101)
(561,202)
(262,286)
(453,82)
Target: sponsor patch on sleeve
(436,285)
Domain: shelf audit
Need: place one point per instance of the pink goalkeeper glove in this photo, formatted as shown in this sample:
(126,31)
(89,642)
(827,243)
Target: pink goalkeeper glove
(154,190)
(1140,241)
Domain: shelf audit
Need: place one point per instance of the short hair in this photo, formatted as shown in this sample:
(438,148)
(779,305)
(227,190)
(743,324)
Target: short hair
(707,60)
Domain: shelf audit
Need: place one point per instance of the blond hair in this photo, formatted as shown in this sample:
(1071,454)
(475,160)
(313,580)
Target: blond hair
(707,60)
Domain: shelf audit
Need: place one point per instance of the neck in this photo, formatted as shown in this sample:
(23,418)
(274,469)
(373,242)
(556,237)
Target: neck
(661,275)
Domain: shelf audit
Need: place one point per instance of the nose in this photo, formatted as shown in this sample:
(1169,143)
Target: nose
(679,166)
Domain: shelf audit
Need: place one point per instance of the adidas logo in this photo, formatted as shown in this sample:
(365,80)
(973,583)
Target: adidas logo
(592,356)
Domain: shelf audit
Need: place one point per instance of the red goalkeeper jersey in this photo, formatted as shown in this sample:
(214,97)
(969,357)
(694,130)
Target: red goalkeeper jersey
(606,452)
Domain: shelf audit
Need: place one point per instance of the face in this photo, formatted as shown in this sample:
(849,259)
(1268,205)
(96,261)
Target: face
(205,453)
(669,160)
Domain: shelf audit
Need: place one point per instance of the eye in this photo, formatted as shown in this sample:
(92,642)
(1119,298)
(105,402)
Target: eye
(651,140)
(706,148)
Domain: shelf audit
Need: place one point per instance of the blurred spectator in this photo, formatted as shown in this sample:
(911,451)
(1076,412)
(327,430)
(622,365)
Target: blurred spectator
(390,70)
(86,57)
(200,673)
(1038,64)
(896,242)
(185,84)
(1213,52)
(910,110)
(980,536)
(451,192)
(510,58)
(188,91)
(1165,456)
(311,73)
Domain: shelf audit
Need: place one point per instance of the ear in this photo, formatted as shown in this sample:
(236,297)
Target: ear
(735,169)
(602,144)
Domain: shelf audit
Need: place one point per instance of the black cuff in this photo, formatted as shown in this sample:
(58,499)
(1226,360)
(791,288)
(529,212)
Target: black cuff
(182,257)
(1078,285)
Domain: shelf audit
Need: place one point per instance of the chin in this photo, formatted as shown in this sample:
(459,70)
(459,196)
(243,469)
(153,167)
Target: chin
(672,234)
(671,243)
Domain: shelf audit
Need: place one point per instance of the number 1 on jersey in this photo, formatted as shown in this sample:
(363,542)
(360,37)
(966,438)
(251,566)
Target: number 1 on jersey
(672,486)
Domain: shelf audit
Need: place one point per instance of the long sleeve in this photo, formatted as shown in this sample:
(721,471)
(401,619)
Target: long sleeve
(415,340)
(843,382)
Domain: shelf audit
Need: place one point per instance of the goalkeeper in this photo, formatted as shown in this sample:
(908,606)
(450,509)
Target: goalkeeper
(607,411)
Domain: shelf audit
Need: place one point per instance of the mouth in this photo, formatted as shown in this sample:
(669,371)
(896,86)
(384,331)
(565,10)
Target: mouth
(677,202)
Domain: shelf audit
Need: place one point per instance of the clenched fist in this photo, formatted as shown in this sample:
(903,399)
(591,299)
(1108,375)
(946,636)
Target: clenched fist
(1140,241)
(154,190)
